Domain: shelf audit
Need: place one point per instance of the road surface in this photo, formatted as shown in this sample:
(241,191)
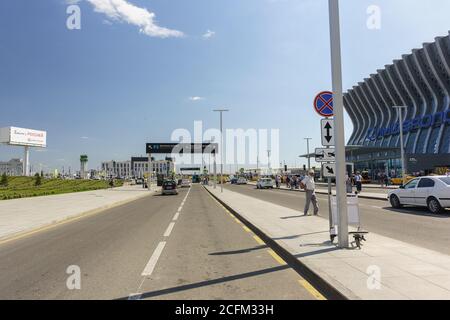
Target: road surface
(157,247)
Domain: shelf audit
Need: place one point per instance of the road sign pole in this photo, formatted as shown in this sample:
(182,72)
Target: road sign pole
(338,106)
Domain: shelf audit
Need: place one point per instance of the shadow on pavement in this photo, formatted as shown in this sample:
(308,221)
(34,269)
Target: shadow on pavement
(419,211)
(237,251)
(156,293)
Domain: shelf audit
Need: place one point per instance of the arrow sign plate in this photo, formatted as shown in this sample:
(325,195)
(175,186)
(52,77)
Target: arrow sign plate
(329,170)
(327,129)
(325,155)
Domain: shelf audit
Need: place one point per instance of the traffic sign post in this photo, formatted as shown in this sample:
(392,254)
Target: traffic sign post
(323,104)
(329,170)
(327,130)
(325,155)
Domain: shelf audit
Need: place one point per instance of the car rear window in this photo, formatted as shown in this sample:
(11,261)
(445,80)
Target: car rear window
(169,183)
(446,180)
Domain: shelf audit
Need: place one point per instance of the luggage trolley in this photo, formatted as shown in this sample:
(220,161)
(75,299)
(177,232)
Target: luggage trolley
(353,220)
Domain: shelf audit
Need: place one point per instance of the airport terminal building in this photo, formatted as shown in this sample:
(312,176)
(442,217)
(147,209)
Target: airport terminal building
(421,82)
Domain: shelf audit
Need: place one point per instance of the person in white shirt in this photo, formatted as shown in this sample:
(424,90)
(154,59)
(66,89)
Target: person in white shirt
(309,185)
(358,182)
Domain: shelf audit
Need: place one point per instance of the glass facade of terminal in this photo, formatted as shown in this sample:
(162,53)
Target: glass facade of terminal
(420,81)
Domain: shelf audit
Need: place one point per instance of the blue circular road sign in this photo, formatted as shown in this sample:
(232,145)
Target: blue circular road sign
(323,104)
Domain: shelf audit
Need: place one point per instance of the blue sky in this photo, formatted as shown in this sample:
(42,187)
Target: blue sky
(107,89)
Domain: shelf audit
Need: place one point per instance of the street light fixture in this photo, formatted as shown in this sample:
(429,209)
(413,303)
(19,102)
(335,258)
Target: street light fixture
(402,149)
(221,146)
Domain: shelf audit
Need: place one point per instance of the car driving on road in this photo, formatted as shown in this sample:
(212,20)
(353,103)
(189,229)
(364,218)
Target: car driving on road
(241,180)
(431,191)
(185,183)
(169,187)
(265,183)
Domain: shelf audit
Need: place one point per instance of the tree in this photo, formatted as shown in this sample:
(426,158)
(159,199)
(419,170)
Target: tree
(38,179)
(4,180)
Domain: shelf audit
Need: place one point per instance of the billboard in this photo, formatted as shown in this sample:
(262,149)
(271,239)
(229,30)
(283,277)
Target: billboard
(23,137)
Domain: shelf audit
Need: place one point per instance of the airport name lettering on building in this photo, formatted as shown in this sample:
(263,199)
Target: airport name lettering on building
(424,122)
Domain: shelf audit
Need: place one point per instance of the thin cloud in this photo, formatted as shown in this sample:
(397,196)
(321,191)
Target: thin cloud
(209,34)
(123,11)
(195,98)
(84,138)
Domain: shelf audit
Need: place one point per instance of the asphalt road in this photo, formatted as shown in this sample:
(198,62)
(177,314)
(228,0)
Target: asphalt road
(413,225)
(158,247)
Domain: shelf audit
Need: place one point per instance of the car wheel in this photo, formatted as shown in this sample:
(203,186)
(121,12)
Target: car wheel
(434,206)
(395,202)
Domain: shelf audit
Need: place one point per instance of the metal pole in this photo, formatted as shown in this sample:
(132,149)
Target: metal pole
(149,172)
(269,171)
(26,161)
(338,106)
(221,154)
(221,147)
(215,171)
(307,150)
(402,149)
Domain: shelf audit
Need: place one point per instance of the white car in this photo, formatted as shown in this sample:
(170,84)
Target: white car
(241,180)
(431,191)
(185,183)
(264,183)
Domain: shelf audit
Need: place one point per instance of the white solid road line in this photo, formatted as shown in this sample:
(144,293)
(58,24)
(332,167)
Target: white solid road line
(151,264)
(175,217)
(169,229)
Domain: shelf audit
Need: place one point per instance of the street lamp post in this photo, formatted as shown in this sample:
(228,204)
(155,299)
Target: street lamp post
(307,150)
(338,108)
(221,147)
(402,148)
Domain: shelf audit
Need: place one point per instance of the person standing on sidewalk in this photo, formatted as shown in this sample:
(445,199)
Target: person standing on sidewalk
(310,186)
(358,182)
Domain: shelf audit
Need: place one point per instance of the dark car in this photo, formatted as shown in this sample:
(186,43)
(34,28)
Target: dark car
(169,187)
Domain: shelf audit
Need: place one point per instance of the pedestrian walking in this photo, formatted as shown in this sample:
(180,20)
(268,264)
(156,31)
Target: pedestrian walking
(358,182)
(348,183)
(310,186)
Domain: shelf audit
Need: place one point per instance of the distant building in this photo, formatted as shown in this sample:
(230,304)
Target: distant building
(136,167)
(13,167)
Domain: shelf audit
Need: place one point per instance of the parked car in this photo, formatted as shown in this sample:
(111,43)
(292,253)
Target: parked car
(265,183)
(430,191)
(241,180)
(169,187)
(233,180)
(185,183)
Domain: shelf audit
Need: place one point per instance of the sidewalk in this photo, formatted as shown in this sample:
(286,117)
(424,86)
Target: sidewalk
(363,194)
(405,271)
(19,216)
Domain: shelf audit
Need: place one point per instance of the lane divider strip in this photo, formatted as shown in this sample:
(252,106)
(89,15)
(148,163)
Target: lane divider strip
(151,264)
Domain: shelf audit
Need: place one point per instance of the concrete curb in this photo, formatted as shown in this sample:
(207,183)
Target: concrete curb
(54,223)
(323,286)
(324,192)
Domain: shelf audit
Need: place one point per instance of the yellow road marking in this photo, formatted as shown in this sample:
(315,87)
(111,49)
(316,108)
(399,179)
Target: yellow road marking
(276,257)
(316,294)
(280,260)
(258,239)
